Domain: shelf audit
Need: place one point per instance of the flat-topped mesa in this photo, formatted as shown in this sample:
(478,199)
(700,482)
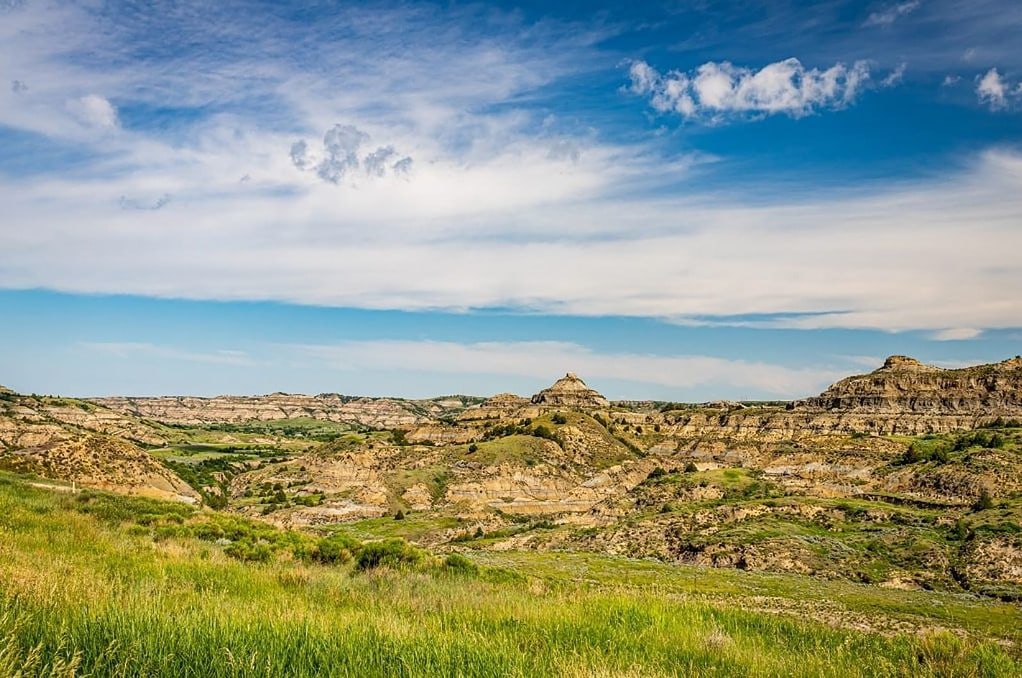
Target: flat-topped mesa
(906,386)
(570,392)
(4,389)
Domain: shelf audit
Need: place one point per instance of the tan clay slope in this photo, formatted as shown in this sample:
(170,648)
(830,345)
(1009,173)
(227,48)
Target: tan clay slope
(101,462)
(72,440)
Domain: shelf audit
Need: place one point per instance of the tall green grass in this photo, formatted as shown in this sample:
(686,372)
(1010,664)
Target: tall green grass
(95,593)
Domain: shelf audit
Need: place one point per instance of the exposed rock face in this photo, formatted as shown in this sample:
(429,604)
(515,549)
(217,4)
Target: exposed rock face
(373,412)
(572,393)
(500,406)
(906,386)
(720,484)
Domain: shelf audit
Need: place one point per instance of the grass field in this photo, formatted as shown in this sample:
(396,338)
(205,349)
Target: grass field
(101,585)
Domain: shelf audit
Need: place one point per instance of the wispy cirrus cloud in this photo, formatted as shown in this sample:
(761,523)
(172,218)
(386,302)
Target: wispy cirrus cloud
(890,14)
(504,209)
(544,360)
(549,244)
(956,334)
(162,352)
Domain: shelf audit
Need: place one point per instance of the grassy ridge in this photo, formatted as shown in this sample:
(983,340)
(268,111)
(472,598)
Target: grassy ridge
(103,593)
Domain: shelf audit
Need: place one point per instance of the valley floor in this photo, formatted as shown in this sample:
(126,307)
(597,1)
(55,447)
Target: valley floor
(97,584)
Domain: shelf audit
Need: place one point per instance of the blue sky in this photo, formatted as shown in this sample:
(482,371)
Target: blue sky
(678,200)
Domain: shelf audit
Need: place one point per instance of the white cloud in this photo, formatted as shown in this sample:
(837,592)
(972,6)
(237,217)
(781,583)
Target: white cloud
(497,216)
(996,91)
(549,359)
(342,159)
(721,89)
(136,204)
(895,76)
(992,89)
(950,80)
(518,233)
(956,334)
(93,110)
(889,15)
(130,349)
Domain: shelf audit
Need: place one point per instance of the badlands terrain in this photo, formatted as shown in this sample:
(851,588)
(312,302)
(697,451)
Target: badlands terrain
(909,476)
(887,507)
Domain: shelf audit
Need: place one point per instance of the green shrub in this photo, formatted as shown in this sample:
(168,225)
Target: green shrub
(656,474)
(912,455)
(559,419)
(542,431)
(387,553)
(691,467)
(258,551)
(459,564)
(984,501)
(337,548)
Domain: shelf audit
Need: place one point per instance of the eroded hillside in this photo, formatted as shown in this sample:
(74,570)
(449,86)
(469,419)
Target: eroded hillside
(908,477)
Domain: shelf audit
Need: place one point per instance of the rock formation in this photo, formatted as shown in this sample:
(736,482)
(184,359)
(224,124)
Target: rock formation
(383,413)
(702,483)
(906,386)
(500,406)
(570,392)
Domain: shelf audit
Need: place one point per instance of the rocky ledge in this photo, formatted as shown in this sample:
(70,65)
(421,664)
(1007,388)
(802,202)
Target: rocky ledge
(906,386)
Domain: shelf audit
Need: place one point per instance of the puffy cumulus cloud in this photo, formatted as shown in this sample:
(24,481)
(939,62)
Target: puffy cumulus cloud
(342,157)
(715,90)
(888,15)
(992,89)
(996,91)
(95,111)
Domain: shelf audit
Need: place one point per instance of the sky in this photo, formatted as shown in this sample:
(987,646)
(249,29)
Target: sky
(676,200)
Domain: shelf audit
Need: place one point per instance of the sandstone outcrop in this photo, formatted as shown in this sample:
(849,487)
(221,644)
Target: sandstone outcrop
(380,413)
(570,392)
(905,386)
(500,406)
